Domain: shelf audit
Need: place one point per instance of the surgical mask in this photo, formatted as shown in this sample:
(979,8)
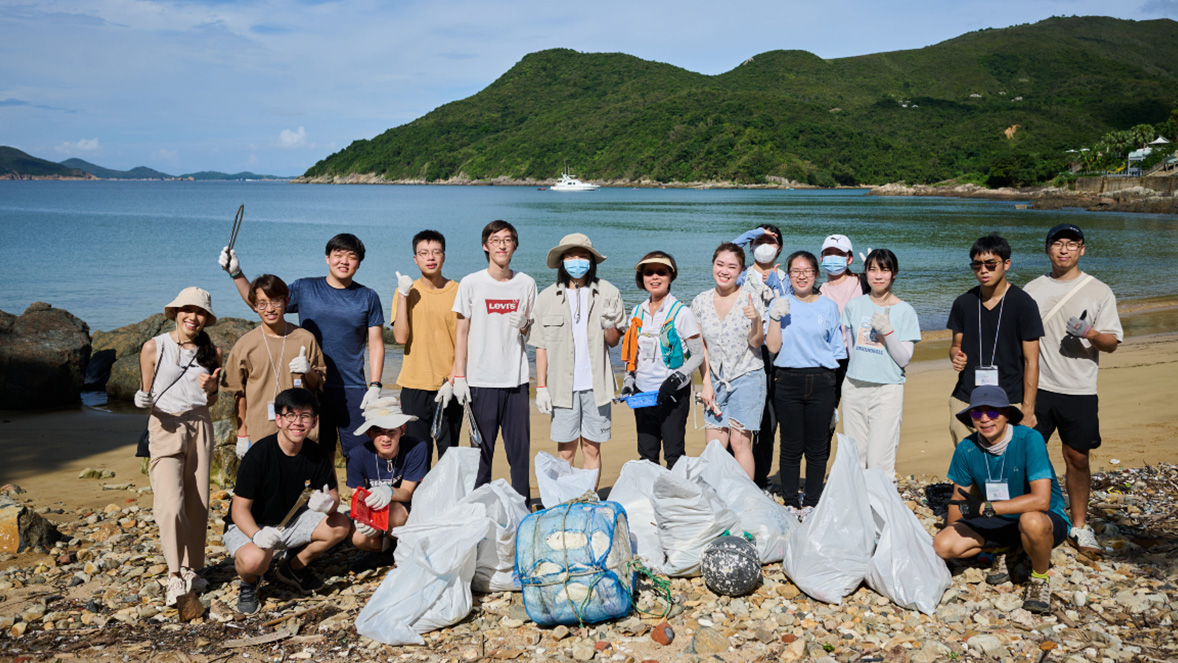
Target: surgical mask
(764,253)
(834,265)
(576,267)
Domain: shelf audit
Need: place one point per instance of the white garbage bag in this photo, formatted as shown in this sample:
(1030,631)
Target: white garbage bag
(827,556)
(495,564)
(449,481)
(690,516)
(634,490)
(769,522)
(560,482)
(904,568)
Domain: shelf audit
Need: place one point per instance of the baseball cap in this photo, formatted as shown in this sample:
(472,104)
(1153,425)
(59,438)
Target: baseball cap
(1065,229)
(840,242)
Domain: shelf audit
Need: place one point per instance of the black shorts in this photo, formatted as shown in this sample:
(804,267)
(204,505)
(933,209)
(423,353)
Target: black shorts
(999,531)
(1075,417)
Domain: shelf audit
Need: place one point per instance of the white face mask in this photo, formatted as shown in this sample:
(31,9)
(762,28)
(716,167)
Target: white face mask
(765,253)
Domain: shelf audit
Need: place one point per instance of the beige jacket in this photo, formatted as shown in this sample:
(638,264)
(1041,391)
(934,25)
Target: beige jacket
(552,330)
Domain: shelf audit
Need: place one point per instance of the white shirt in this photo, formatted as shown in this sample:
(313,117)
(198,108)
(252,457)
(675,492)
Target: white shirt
(651,371)
(579,314)
(1068,364)
(495,355)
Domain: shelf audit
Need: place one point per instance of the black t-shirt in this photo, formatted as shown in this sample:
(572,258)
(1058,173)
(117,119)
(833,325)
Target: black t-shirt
(1020,322)
(274,480)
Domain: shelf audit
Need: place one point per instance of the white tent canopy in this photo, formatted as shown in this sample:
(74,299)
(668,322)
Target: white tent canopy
(1160,141)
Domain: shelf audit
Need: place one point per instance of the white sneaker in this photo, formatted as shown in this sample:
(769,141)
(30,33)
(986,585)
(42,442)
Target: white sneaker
(1084,540)
(804,513)
(176,589)
(192,581)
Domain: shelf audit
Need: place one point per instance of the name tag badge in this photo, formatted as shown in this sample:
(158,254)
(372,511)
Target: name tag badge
(270,411)
(997,491)
(298,382)
(985,375)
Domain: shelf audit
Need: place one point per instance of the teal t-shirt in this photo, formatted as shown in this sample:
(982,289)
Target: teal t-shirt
(870,361)
(1024,461)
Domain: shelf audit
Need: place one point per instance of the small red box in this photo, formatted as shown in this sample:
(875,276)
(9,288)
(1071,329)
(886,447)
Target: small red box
(378,518)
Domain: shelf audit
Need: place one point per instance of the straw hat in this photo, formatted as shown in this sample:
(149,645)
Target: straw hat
(192,296)
(384,413)
(572,241)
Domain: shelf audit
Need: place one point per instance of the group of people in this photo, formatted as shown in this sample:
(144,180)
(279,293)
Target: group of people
(774,347)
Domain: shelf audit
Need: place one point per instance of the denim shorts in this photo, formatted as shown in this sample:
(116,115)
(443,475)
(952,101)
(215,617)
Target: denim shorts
(742,400)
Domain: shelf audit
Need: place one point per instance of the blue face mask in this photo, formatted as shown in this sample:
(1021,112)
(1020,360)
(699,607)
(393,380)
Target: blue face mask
(834,265)
(576,267)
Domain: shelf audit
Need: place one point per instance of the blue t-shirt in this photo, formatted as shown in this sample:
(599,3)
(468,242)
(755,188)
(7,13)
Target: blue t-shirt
(1025,460)
(870,361)
(366,468)
(339,319)
(811,335)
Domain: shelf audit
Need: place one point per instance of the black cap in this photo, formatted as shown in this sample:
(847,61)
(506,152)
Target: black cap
(1062,228)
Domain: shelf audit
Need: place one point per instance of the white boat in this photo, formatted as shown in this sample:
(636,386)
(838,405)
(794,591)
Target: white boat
(569,183)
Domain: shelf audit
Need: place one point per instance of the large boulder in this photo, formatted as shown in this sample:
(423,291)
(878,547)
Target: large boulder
(43,357)
(21,528)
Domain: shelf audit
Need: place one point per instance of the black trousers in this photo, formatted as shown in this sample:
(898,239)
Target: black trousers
(663,426)
(805,400)
(763,446)
(505,408)
(420,403)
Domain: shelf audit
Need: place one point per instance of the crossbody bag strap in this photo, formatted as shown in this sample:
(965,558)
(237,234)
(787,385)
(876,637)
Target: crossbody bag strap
(1059,305)
(156,373)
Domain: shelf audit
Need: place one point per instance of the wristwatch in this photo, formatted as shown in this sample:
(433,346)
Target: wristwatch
(988,510)
(374,383)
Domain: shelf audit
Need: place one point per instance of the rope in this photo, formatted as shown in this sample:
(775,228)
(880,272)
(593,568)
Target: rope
(662,585)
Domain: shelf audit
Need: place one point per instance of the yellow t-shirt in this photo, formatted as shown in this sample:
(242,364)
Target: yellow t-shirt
(433,326)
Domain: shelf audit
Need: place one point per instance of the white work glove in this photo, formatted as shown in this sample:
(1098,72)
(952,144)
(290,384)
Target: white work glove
(379,497)
(517,319)
(367,530)
(300,364)
(780,308)
(1079,327)
(543,400)
(445,395)
(267,538)
(863,256)
(321,500)
(881,323)
(372,394)
(228,261)
(403,284)
(461,391)
(243,445)
(142,399)
(612,317)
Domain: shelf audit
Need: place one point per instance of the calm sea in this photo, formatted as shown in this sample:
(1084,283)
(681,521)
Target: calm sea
(113,253)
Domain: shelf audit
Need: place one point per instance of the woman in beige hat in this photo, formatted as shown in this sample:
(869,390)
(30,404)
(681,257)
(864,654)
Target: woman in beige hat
(574,323)
(180,369)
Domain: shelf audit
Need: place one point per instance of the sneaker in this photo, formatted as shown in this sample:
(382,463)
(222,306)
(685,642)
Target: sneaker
(1037,598)
(192,581)
(175,589)
(304,580)
(248,601)
(999,572)
(366,561)
(804,513)
(1083,539)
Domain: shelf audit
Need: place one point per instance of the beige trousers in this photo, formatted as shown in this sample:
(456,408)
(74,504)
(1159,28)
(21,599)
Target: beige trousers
(957,430)
(181,449)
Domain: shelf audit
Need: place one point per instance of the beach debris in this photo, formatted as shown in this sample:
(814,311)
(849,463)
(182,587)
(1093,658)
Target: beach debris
(91,473)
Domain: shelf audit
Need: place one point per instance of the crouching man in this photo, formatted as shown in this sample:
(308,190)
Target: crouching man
(1005,495)
(270,482)
(389,466)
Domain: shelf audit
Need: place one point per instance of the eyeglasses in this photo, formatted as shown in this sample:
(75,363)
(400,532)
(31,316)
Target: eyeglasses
(654,272)
(435,253)
(1060,245)
(292,417)
(977,265)
(990,413)
(802,272)
(272,305)
(500,241)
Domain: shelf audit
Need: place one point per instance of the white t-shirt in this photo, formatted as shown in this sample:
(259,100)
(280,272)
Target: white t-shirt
(651,371)
(579,314)
(495,355)
(1068,364)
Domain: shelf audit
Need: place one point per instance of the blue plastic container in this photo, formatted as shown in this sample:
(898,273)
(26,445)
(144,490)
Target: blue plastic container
(644,399)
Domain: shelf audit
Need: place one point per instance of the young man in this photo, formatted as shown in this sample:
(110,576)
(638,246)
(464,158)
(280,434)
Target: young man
(1079,322)
(490,364)
(424,323)
(766,277)
(1005,494)
(271,479)
(389,466)
(996,329)
(344,317)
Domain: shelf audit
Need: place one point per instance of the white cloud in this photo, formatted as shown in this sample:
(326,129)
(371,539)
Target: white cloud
(165,155)
(253,160)
(83,145)
(288,138)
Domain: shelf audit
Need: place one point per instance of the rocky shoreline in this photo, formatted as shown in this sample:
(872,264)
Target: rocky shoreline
(373,178)
(1137,199)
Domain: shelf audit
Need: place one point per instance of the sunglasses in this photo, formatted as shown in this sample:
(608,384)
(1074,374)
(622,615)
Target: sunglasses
(977,265)
(990,412)
(654,272)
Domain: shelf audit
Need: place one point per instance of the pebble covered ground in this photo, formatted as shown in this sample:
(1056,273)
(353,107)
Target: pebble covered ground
(99,596)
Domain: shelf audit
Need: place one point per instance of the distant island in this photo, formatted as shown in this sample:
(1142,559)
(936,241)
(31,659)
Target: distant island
(996,107)
(17,165)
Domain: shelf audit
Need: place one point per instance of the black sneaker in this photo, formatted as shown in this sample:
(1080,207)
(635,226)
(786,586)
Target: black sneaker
(1037,598)
(373,560)
(1005,563)
(304,580)
(248,601)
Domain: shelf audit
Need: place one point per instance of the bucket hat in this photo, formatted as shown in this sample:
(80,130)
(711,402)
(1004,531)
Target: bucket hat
(192,296)
(572,241)
(993,396)
(384,413)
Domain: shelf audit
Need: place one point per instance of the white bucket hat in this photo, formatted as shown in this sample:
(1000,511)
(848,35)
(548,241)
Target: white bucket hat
(572,241)
(192,296)
(384,413)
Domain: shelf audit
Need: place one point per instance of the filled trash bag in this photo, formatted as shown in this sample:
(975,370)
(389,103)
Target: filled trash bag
(827,556)
(634,491)
(574,563)
(904,568)
(495,563)
(560,482)
(731,566)
(690,516)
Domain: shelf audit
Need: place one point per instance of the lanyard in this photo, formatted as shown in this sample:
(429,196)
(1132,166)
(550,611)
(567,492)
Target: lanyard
(1001,468)
(389,466)
(997,328)
(281,355)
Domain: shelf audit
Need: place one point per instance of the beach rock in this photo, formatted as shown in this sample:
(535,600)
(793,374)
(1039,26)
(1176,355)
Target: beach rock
(989,644)
(663,634)
(43,357)
(190,607)
(709,641)
(21,528)
(794,651)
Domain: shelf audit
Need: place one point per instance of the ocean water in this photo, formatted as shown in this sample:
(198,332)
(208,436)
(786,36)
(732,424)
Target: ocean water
(113,253)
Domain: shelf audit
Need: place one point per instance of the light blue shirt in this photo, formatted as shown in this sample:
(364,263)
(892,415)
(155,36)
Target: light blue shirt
(870,361)
(811,335)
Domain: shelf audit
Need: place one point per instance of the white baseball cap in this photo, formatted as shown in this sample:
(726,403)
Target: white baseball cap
(840,242)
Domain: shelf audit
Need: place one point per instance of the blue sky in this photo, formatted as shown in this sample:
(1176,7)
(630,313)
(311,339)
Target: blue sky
(273,86)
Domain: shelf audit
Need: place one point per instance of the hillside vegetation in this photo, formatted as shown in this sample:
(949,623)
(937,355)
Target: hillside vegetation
(1025,93)
(14,162)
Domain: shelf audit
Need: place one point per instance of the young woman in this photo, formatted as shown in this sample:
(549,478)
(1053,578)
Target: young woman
(841,286)
(268,360)
(882,330)
(180,371)
(662,348)
(805,333)
(574,323)
(734,382)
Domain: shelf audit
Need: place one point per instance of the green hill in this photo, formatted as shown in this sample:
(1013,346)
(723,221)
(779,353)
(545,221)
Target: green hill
(215,175)
(920,115)
(138,173)
(13,162)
